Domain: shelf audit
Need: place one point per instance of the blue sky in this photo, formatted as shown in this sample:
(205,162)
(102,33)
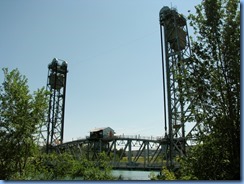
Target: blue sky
(113,52)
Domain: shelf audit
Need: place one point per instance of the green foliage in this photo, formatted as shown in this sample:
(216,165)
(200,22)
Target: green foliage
(204,161)
(20,114)
(59,166)
(93,170)
(153,176)
(214,82)
(165,174)
(64,166)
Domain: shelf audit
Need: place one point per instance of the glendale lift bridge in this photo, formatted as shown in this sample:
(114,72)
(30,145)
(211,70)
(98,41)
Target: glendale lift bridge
(134,152)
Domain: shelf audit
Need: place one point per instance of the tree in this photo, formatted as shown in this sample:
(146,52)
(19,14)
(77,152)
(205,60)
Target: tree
(20,115)
(51,166)
(214,83)
(93,170)
(165,174)
(55,166)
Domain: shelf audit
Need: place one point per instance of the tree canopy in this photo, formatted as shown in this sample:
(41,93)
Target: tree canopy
(20,115)
(215,84)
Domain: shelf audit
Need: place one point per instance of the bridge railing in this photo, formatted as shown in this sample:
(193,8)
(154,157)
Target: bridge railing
(139,137)
(127,137)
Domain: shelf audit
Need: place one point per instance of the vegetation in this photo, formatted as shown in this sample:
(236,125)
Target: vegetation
(64,166)
(20,114)
(165,175)
(216,79)
(98,170)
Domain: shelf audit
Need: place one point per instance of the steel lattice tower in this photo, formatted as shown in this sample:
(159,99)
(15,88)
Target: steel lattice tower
(52,131)
(175,47)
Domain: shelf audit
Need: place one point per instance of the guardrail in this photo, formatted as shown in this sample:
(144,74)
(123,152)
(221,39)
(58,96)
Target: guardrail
(127,137)
(139,137)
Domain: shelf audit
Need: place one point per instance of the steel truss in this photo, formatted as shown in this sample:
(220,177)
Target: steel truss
(124,153)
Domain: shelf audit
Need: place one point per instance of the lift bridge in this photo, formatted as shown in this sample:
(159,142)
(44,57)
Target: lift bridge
(134,152)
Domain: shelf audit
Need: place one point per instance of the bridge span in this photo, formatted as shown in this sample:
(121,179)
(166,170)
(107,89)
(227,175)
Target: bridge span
(125,152)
